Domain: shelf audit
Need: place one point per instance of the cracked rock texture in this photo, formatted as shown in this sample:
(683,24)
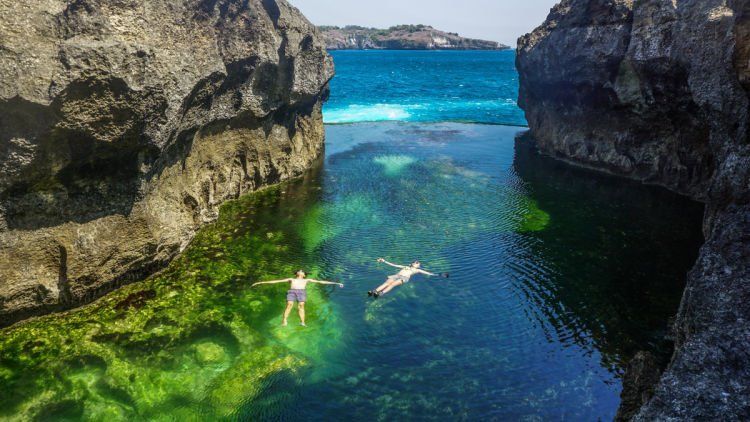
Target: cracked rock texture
(125,124)
(657,90)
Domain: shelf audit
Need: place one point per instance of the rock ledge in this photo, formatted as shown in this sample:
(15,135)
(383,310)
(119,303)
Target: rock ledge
(125,124)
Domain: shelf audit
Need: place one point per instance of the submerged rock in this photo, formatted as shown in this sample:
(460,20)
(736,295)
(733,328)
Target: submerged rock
(124,125)
(209,353)
(641,377)
(184,342)
(657,91)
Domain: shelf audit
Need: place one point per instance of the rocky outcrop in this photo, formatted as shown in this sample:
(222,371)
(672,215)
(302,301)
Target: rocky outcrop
(124,125)
(641,376)
(657,90)
(401,37)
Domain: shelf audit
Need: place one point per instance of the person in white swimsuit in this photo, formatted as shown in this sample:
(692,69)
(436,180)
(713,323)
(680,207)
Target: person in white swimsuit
(296,293)
(402,277)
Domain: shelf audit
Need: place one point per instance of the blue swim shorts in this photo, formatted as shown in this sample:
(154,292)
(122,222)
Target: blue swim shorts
(299,295)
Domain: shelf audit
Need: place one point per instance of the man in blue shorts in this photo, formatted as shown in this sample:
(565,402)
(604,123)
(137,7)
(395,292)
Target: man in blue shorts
(297,293)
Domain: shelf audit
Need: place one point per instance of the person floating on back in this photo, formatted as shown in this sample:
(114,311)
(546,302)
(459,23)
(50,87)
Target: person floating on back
(296,293)
(402,277)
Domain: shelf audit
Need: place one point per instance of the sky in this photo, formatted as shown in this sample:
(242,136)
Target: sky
(496,20)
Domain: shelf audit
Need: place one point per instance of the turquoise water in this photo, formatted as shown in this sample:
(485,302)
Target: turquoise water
(427,86)
(558,277)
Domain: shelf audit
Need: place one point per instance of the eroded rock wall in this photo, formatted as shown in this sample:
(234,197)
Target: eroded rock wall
(124,125)
(657,90)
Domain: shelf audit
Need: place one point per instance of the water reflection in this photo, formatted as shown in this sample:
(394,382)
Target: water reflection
(557,276)
(615,257)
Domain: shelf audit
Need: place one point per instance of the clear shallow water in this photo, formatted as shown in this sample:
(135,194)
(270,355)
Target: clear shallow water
(428,86)
(557,277)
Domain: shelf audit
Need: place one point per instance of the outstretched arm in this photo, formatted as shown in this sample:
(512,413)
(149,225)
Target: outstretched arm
(444,275)
(286,280)
(391,264)
(325,282)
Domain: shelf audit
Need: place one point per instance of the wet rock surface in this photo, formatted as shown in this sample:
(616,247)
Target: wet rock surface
(657,91)
(124,125)
(641,376)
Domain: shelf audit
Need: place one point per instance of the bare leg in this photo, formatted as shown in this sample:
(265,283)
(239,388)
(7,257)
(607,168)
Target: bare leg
(287,311)
(301,309)
(391,286)
(383,286)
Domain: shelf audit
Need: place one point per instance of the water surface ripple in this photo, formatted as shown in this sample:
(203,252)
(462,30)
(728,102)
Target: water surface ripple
(558,277)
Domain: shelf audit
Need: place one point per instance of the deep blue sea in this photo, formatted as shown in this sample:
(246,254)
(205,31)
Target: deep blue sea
(425,86)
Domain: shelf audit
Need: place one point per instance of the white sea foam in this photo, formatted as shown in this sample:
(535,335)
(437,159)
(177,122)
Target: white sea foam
(366,113)
(429,111)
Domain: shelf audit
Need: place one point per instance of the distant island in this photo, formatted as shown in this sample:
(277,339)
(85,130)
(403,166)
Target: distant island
(401,37)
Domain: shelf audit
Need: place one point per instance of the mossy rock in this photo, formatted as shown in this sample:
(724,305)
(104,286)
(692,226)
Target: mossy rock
(191,342)
(209,353)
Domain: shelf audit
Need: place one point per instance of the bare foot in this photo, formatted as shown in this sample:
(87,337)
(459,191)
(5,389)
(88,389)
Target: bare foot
(302,324)
(283,323)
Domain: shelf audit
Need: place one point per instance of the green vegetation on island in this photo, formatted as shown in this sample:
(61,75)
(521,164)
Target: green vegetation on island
(401,37)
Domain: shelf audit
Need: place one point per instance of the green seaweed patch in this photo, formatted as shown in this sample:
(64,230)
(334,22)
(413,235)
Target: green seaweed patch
(530,217)
(47,184)
(312,231)
(324,222)
(192,342)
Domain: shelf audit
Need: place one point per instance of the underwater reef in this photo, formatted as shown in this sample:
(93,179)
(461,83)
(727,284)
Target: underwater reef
(657,91)
(125,125)
(192,342)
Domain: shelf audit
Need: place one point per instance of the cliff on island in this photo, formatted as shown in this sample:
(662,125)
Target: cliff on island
(401,37)
(124,126)
(657,91)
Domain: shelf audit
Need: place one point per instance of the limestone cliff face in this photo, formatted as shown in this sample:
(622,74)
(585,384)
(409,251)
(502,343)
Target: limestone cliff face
(657,90)
(125,124)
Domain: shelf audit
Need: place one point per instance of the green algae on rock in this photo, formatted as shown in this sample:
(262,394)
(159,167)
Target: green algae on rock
(532,308)
(530,217)
(125,125)
(193,341)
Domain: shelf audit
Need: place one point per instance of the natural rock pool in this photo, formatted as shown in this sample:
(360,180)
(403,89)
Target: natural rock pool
(558,276)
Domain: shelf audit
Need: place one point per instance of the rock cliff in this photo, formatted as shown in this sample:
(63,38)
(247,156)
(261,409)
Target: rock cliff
(401,37)
(657,90)
(125,124)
